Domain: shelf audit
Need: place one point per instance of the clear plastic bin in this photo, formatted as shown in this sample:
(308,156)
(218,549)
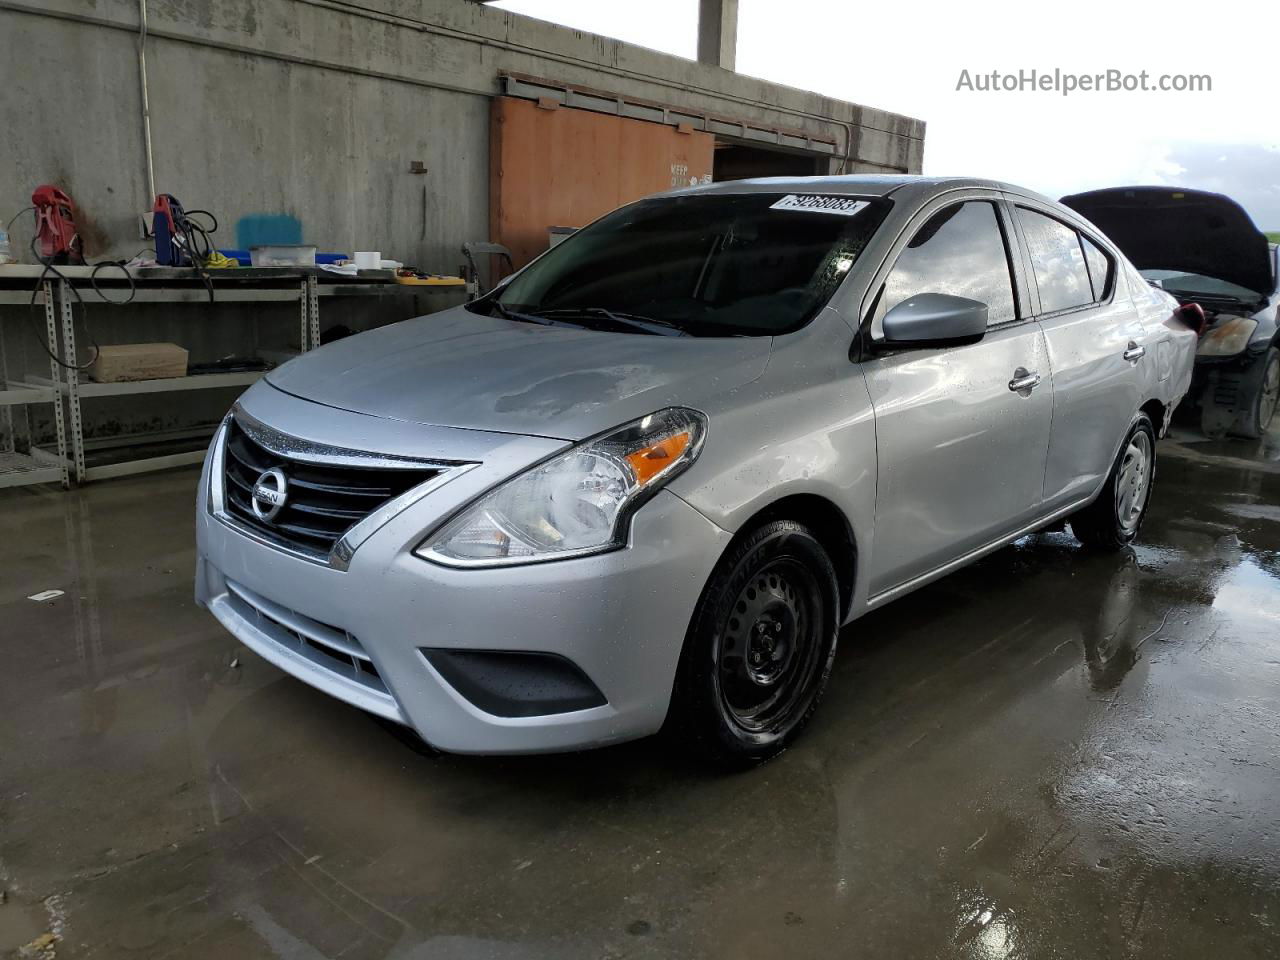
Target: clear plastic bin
(274,255)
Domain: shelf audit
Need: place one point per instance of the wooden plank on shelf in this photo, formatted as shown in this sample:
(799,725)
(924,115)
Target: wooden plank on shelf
(194,295)
(19,394)
(203,381)
(128,468)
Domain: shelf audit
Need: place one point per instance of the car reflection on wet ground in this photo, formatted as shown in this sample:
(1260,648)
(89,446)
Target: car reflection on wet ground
(1050,753)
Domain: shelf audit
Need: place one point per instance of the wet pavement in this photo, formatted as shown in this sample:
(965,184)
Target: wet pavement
(1048,754)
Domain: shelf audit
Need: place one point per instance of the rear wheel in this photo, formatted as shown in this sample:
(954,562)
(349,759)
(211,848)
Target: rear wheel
(1112,521)
(760,647)
(1259,393)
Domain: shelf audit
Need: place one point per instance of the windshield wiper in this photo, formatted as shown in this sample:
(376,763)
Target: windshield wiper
(508,314)
(662,328)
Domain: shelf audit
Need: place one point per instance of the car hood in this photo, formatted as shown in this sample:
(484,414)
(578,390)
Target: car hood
(1160,228)
(461,369)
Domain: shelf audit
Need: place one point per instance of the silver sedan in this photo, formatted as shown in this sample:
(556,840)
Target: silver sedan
(645,481)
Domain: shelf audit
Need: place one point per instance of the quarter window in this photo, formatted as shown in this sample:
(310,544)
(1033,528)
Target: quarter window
(1099,267)
(1057,259)
(960,251)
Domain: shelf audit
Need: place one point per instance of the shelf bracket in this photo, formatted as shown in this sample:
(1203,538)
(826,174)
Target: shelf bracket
(311,290)
(55,373)
(73,377)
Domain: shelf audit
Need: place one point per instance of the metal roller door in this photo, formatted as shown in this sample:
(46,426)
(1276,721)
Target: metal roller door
(554,166)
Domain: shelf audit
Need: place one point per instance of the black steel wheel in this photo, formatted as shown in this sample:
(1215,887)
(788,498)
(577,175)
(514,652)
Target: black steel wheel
(769,647)
(759,648)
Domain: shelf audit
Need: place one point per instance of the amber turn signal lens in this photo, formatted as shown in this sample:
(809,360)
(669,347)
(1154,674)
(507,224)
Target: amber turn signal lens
(652,460)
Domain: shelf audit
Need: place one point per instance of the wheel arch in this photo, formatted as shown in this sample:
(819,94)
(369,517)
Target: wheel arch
(829,525)
(1158,411)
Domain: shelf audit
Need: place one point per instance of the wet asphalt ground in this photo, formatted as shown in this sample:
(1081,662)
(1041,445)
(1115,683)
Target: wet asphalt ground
(1049,754)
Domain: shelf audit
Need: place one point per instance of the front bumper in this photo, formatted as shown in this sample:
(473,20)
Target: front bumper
(1220,380)
(620,617)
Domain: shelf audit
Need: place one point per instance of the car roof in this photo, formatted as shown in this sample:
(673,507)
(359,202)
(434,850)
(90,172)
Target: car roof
(865,185)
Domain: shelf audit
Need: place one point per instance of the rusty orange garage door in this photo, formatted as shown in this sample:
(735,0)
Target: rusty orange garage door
(564,167)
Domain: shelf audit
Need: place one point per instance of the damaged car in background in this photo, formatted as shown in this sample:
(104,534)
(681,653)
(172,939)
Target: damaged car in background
(1203,248)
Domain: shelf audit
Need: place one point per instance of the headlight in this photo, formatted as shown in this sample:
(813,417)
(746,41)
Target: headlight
(1227,338)
(576,503)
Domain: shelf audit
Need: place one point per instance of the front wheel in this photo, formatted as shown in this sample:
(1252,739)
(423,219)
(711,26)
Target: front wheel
(759,648)
(1259,395)
(1112,521)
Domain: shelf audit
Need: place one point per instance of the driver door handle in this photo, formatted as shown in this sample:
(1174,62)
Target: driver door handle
(1024,379)
(1135,352)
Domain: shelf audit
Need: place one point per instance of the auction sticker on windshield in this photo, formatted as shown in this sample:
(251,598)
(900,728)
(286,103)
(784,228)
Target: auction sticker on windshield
(815,203)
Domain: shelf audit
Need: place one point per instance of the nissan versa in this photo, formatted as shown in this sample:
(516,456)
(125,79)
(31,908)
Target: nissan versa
(645,481)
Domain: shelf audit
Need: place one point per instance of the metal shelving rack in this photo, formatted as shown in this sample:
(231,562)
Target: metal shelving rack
(301,286)
(37,465)
(75,390)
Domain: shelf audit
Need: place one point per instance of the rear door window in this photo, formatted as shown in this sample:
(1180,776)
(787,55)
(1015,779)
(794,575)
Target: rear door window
(959,251)
(1058,261)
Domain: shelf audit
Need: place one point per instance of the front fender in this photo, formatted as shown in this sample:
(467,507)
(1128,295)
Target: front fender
(806,427)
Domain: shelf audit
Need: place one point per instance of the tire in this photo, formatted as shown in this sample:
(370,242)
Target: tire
(759,648)
(1113,520)
(1259,391)
(1215,420)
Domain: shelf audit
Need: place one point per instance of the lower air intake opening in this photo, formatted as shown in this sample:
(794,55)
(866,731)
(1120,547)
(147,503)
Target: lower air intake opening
(516,684)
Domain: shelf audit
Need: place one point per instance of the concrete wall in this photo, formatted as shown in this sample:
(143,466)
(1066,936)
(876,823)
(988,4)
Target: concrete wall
(311,111)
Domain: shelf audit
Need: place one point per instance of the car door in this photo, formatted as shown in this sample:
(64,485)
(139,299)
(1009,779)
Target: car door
(961,431)
(1096,345)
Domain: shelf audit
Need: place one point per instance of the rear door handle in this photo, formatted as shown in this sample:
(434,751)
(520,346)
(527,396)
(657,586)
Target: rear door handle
(1024,379)
(1135,352)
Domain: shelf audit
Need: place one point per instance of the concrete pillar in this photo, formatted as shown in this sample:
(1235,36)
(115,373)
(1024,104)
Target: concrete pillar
(718,33)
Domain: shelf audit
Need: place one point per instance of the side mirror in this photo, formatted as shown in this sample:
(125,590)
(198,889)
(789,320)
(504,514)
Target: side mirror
(935,319)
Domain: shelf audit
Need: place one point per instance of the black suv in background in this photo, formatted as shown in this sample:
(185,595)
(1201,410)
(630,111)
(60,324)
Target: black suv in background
(1203,248)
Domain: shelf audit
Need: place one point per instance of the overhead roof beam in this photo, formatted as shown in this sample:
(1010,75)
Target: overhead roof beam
(718,33)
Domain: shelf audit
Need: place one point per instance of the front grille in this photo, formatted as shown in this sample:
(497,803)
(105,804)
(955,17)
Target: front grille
(324,501)
(324,645)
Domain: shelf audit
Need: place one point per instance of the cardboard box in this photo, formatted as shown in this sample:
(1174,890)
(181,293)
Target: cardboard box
(138,361)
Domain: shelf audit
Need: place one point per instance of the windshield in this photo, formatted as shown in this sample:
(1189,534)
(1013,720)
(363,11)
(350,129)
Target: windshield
(1194,284)
(698,265)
